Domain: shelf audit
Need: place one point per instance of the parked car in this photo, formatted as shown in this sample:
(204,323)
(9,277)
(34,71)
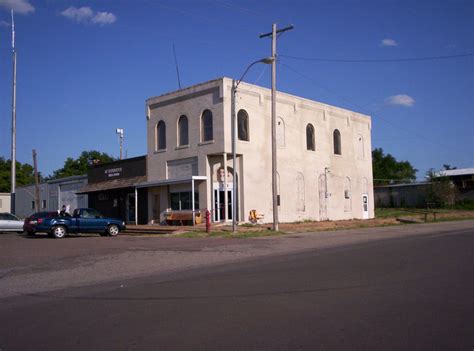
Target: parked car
(10,223)
(83,220)
(36,220)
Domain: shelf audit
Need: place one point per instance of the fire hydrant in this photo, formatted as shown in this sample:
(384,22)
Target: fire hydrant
(208,221)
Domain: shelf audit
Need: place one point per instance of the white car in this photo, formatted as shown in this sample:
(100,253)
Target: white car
(10,223)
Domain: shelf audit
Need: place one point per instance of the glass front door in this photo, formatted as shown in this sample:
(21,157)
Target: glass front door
(220,205)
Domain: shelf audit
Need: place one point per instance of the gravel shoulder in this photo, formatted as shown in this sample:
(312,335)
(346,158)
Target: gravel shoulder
(29,266)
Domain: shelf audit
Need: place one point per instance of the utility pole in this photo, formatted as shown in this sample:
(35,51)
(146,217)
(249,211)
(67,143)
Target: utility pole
(273,34)
(37,192)
(13,156)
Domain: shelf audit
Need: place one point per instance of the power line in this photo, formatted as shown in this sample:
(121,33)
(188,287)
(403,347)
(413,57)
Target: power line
(361,108)
(406,59)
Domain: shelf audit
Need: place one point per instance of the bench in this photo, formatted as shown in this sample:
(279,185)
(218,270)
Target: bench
(182,218)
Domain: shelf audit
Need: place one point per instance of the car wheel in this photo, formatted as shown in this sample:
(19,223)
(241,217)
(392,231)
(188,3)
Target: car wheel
(59,232)
(113,230)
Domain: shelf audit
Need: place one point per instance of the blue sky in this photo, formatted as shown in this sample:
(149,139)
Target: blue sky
(87,67)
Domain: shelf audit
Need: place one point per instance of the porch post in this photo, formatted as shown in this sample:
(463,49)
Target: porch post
(192,199)
(136,206)
(226,199)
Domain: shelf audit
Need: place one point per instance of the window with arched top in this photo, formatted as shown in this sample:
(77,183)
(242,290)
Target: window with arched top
(160,137)
(280,132)
(337,142)
(183,137)
(206,126)
(243,125)
(310,144)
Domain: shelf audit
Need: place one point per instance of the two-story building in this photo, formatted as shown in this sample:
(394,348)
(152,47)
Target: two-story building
(323,154)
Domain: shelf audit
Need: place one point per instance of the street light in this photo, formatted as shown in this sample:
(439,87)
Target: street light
(235,84)
(119,131)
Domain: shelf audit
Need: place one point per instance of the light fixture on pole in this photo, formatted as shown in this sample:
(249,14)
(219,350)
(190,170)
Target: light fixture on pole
(119,131)
(235,84)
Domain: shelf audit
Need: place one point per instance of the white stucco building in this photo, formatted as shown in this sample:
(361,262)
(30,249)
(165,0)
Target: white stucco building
(323,153)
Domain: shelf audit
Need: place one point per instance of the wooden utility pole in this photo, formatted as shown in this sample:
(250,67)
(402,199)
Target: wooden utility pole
(37,192)
(273,35)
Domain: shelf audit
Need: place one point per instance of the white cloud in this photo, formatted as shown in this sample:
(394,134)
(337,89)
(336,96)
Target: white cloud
(82,14)
(104,18)
(400,100)
(87,15)
(388,42)
(18,6)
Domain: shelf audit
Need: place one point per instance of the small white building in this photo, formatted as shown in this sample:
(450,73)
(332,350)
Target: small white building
(323,155)
(5,202)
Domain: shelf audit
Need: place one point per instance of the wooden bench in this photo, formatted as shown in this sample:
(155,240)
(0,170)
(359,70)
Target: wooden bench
(183,218)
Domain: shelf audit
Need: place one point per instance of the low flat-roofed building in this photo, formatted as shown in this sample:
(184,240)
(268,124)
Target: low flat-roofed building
(324,164)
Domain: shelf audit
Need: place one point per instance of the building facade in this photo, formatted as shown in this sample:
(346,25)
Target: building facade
(324,165)
(53,195)
(112,189)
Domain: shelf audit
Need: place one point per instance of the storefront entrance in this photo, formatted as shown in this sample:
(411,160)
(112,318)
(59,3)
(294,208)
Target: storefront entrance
(219,202)
(130,208)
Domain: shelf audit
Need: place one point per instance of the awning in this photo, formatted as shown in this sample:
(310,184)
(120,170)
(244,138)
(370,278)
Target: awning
(183,180)
(113,184)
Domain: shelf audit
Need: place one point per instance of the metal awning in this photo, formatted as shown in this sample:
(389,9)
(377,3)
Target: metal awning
(112,184)
(188,179)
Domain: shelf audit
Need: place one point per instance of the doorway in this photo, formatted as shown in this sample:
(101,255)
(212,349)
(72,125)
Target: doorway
(365,206)
(219,202)
(130,208)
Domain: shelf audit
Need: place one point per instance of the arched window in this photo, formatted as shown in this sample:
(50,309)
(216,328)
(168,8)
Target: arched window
(280,132)
(243,125)
(337,142)
(160,136)
(310,145)
(183,138)
(206,126)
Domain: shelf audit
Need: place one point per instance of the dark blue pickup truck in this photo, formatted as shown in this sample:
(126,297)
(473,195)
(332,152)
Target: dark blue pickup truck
(83,220)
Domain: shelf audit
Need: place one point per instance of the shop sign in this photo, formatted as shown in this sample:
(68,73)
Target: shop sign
(113,172)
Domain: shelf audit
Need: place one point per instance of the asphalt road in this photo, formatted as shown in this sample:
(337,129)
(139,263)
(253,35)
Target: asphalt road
(410,292)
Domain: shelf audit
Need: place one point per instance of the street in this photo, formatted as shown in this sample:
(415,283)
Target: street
(397,288)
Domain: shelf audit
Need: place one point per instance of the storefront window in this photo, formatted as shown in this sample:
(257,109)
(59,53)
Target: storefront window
(182,201)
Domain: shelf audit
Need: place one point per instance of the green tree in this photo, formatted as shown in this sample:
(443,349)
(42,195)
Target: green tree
(386,169)
(441,191)
(80,165)
(24,174)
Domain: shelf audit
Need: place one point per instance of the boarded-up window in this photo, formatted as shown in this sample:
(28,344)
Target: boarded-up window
(360,147)
(300,192)
(280,132)
(347,195)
